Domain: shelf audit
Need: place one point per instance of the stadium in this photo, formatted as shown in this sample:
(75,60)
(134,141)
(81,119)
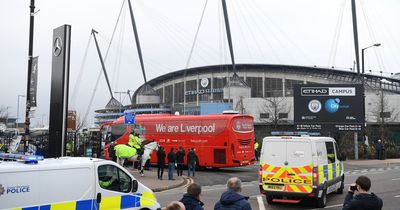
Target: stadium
(261,90)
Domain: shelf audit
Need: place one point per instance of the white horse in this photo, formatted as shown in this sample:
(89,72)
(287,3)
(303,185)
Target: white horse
(148,149)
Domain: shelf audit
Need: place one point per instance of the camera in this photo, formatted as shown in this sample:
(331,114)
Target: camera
(353,187)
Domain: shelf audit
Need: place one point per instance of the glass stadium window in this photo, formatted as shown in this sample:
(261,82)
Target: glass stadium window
(218,85)
(289,86)
(178,92)
(160,93)
(273,87)
(255,84)
(191,91)
(168,94)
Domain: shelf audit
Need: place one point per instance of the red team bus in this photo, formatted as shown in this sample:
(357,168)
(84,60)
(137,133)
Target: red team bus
(220,140)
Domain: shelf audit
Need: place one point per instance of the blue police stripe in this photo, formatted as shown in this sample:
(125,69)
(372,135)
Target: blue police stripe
(129,201)
(85,204)
(334,170)
(45,207)
(326,172)
(31,208)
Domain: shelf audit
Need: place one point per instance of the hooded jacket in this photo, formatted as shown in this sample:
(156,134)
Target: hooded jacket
(191,203)
(231,200)
(362,201)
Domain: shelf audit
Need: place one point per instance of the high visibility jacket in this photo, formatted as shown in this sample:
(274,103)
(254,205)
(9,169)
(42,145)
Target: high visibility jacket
(134,141)
(256,146)
(124,151)
(105,184)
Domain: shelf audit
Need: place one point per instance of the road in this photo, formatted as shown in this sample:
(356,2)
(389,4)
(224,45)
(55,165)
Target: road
(385,183)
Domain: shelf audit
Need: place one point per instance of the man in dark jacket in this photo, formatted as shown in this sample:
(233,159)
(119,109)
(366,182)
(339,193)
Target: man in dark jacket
(231,199)
(171,164)
(191,161)
(191,199)
(180,160)
(160,162)
(364,199)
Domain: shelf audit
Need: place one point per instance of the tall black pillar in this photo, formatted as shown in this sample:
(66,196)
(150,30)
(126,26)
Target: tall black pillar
(59,91)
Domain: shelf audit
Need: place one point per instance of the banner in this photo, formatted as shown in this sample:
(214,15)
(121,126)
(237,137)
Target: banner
(335,107)
(33,84)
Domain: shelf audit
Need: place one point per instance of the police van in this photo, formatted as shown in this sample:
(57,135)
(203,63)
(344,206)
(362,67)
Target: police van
(297,167)
(69,183)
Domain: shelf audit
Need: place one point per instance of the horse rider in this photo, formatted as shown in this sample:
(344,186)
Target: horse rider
(134,142)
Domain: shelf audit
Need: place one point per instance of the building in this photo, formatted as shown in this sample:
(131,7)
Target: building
(204,90)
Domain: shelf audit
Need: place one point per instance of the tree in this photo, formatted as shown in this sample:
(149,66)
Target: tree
(383,111)
(276,110)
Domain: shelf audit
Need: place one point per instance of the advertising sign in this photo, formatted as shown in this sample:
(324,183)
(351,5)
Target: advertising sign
(129,118)
(336,107)
(33,85)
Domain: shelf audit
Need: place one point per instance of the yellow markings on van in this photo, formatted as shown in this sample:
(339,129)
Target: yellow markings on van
(110,203)
(63,206)
(147,199)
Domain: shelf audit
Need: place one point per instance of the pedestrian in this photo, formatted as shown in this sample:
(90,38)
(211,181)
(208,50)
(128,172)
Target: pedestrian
(175,205)
(191,161)
(364,199)
(171,164)
(180,160)
(379,148)
(191,199)
(160,162)
(232,199)
(256,151)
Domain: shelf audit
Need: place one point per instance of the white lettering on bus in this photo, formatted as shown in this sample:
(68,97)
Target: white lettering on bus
(198,128)
(160,128)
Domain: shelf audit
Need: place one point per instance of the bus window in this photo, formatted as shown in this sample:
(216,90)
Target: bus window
(117,130)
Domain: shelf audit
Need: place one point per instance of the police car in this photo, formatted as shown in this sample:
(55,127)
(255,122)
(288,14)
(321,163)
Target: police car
(32,182)
(297,167)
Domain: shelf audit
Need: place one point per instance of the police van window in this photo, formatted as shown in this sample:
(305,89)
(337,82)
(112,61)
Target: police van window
(330,152)
(114,179)
(322,158)
(338,154)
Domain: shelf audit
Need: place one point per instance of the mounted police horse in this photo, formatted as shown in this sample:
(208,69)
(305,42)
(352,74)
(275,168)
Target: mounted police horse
(123,152)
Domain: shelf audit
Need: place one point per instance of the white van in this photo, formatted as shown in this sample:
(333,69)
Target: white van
(293,168)
(70,183)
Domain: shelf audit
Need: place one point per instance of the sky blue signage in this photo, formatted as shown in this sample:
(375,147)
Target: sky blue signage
(129,118)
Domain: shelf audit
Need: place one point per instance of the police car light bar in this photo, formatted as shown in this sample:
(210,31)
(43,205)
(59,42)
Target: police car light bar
(294,133)
(18,157)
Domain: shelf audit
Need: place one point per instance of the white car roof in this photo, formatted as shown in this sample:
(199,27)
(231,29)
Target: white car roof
(48,164)
(300,138)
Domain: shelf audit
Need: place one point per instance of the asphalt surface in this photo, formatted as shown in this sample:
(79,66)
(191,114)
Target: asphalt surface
(385,183)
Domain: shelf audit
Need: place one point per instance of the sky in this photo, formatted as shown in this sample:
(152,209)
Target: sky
(292,32)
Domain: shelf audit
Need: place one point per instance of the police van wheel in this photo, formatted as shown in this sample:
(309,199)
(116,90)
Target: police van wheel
(321,202)
(269,199)
(341,188)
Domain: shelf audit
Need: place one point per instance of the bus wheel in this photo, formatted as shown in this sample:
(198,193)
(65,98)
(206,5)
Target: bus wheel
(269,199)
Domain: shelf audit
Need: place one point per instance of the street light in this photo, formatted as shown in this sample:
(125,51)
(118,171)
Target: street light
(363,84)
(362,55)
(18,110)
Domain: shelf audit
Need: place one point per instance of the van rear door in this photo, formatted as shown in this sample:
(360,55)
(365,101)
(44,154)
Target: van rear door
(287,165)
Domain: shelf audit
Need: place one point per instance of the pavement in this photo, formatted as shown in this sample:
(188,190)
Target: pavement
(385,162)
(151,181)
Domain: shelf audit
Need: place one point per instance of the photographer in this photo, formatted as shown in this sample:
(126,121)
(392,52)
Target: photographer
(364,199)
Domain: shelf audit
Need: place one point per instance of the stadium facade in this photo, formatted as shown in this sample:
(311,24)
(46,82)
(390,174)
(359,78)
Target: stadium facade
(261,90)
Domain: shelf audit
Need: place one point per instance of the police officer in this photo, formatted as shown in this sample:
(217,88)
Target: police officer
(256,145)
(134,142)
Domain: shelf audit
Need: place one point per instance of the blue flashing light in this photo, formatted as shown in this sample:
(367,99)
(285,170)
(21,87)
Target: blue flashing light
(30,159)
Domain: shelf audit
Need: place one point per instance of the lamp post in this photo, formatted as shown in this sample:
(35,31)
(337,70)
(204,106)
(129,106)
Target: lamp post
(363,84)
(362,55)
(18,110)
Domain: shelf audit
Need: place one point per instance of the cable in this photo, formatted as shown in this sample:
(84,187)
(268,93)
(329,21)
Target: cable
(195,37)
(336,36)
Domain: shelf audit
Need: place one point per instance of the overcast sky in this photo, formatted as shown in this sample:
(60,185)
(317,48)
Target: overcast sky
(295,32)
